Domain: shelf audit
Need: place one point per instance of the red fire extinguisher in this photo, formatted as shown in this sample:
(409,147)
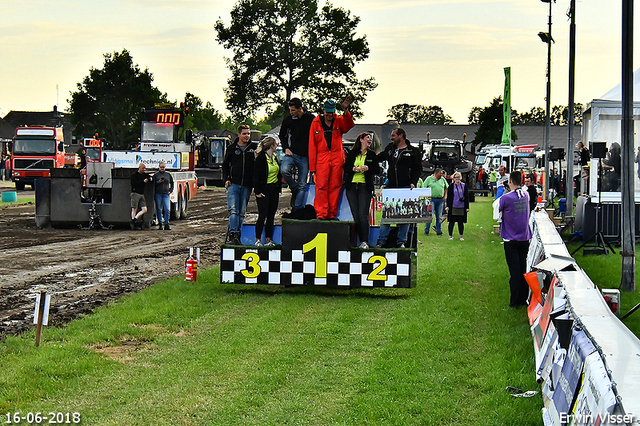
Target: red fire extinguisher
(191,266)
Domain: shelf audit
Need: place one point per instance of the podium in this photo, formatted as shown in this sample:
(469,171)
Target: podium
(319,253)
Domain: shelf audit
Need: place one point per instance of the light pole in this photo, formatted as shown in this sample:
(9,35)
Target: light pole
(572,72)
(546,38)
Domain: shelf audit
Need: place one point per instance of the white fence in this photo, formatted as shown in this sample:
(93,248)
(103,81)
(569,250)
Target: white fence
(587,360)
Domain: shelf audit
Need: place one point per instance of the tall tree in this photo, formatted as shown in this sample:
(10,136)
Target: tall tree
(419,114)
(291,47)
(491,121)
(108,101)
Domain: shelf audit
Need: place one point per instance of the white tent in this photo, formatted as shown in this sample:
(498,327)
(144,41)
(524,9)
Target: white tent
(602,122)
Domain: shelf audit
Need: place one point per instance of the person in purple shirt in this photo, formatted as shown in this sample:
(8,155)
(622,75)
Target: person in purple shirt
(516,234)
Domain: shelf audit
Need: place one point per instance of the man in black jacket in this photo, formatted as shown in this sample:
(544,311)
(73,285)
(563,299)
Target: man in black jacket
(237,168)
(294,137)
(138,181)
(403,171)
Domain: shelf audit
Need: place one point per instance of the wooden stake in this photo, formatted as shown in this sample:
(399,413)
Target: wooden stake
(43,296)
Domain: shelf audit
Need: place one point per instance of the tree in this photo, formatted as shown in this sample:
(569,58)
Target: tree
(291,47)
(199,117)
(419,114)
(491,121)
(535,115)
(109,100)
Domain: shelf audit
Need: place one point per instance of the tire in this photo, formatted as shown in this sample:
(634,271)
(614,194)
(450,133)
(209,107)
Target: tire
(184,205)
(175,207)
(20,186)
(471,184)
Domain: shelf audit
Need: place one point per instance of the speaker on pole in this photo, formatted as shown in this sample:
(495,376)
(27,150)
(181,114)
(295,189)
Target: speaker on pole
(598,149)
(556,154)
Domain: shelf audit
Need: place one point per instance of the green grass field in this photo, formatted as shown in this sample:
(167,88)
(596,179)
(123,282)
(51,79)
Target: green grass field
(203,353)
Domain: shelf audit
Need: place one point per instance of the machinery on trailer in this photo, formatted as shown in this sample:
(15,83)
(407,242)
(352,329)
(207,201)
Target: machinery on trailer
(36,151)
(448,154)
(70,198)
(209,153)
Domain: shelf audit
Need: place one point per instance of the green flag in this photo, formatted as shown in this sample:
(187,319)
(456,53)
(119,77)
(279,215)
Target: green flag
(506,108)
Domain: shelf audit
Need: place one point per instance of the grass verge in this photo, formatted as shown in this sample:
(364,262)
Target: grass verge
(183,353)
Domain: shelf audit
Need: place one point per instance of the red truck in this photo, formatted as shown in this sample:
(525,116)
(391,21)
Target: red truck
(35,151)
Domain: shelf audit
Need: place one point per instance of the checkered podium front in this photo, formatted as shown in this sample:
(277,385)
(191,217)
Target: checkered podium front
(318,253)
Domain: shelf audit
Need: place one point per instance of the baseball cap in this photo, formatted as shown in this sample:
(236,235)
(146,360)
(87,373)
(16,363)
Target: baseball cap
(330,105)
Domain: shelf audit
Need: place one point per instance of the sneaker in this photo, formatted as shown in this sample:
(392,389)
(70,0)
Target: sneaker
(450,238)
(461,239)
(167,227)
(132,224)
(379,244)
(439,234)
(402,245)
(258,243)
(270,243)
(364,245)
(160,227)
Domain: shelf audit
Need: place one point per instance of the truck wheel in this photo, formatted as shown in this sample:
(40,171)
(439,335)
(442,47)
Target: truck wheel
(184,205)
(471,184)
(175,207)
(20,186)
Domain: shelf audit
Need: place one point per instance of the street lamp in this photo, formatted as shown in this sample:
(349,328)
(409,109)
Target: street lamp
(547,38)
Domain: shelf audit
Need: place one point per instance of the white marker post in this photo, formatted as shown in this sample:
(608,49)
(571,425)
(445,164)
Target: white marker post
(41,313)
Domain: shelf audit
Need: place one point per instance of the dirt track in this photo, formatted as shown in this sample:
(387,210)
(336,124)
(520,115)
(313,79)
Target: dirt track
(84,269)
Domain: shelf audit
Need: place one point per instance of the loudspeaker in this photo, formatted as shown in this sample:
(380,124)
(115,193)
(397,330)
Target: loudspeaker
(598,149)
(556,154)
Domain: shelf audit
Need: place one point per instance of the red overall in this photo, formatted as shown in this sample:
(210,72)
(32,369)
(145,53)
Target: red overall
(328,164)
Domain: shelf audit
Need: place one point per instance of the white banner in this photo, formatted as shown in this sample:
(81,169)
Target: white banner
(131,159)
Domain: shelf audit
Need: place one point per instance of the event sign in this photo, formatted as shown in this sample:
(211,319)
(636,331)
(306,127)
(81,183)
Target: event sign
(596,399)
(579,348)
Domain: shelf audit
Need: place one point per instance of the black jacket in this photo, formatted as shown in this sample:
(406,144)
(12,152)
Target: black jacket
(137,182)
(370,161)
(261,173)
(237,165)
(405,170)
(294,133)
(451,194)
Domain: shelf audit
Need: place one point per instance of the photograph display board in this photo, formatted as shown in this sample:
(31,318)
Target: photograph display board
(404,205)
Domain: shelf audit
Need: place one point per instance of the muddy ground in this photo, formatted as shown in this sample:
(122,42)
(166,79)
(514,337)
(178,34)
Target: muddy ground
(83,269)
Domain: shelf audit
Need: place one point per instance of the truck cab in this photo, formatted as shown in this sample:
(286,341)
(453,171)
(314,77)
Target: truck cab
(36,150)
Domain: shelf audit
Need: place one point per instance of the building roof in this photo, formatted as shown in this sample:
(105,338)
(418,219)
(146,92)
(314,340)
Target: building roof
(527,134)
(6,130)
(41,118)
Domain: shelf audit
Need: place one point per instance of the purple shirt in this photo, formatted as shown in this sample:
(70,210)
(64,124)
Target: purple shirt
(515,216)
(458,195)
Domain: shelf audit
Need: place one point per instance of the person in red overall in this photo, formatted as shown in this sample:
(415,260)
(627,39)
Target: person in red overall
(326,156)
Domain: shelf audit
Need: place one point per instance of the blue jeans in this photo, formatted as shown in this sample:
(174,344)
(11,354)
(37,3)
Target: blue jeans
(237,200)
(299,187)
(163,202)
(436,207)
(403,230)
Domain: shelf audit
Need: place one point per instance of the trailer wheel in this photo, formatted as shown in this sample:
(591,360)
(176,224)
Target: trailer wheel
(184,205)
(471,185)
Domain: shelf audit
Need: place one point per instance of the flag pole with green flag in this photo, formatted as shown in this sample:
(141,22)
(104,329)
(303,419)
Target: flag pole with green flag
(506,108)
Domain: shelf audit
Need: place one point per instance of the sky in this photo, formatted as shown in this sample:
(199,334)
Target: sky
(449,53)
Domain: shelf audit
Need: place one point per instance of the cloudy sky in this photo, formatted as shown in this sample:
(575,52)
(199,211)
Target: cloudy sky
(449,53)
